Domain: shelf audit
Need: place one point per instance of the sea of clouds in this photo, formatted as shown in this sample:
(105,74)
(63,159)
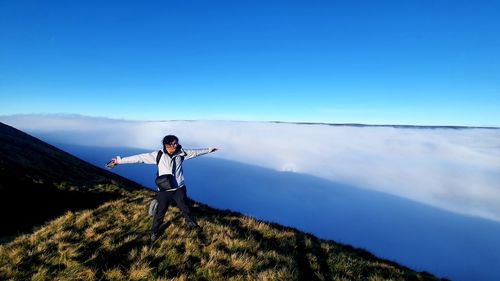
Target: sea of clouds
(454,169)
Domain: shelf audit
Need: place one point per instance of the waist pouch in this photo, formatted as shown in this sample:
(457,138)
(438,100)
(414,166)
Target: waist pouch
(164,182)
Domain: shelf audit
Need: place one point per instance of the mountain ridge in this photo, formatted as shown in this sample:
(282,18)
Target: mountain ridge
(109,241)
(38,176)
(401,126)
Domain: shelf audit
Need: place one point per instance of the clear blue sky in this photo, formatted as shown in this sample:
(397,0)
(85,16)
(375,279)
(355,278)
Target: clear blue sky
(376,62)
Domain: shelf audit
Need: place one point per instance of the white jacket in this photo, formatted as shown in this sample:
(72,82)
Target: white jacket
(168,165)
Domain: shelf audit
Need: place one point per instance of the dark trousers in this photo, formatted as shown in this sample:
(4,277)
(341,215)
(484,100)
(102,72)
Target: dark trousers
(164,198)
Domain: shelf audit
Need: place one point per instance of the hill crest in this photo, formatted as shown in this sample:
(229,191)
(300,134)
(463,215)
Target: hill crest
(110,241)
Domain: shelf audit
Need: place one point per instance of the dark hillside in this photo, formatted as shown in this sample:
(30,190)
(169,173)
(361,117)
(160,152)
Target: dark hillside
(39,181)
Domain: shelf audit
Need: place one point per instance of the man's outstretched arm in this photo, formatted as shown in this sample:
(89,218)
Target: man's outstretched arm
(192,153)
(147,158)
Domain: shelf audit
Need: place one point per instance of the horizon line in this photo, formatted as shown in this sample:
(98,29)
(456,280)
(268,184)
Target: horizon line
(346,124)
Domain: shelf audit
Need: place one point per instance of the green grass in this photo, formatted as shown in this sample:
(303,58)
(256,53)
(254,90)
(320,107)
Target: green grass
(111,242)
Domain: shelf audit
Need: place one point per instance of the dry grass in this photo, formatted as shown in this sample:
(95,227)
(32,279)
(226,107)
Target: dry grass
(111,243)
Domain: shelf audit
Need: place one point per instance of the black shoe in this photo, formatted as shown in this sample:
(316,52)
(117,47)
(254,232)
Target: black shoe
(193,225)
(154,237)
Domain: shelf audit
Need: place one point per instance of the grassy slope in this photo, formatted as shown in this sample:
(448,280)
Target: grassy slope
(111,243)
(109,239)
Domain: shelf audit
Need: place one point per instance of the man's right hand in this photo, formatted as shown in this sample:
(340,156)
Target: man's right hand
(112,163)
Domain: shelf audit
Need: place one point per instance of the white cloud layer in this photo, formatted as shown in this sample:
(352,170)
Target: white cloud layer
(454,169)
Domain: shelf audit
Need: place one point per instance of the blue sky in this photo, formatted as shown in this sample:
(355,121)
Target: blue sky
(374,62)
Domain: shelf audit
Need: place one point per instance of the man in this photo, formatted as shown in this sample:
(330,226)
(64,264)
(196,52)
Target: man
(169,162)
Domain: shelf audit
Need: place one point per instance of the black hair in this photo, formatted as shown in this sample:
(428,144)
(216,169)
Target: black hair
(169,139)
